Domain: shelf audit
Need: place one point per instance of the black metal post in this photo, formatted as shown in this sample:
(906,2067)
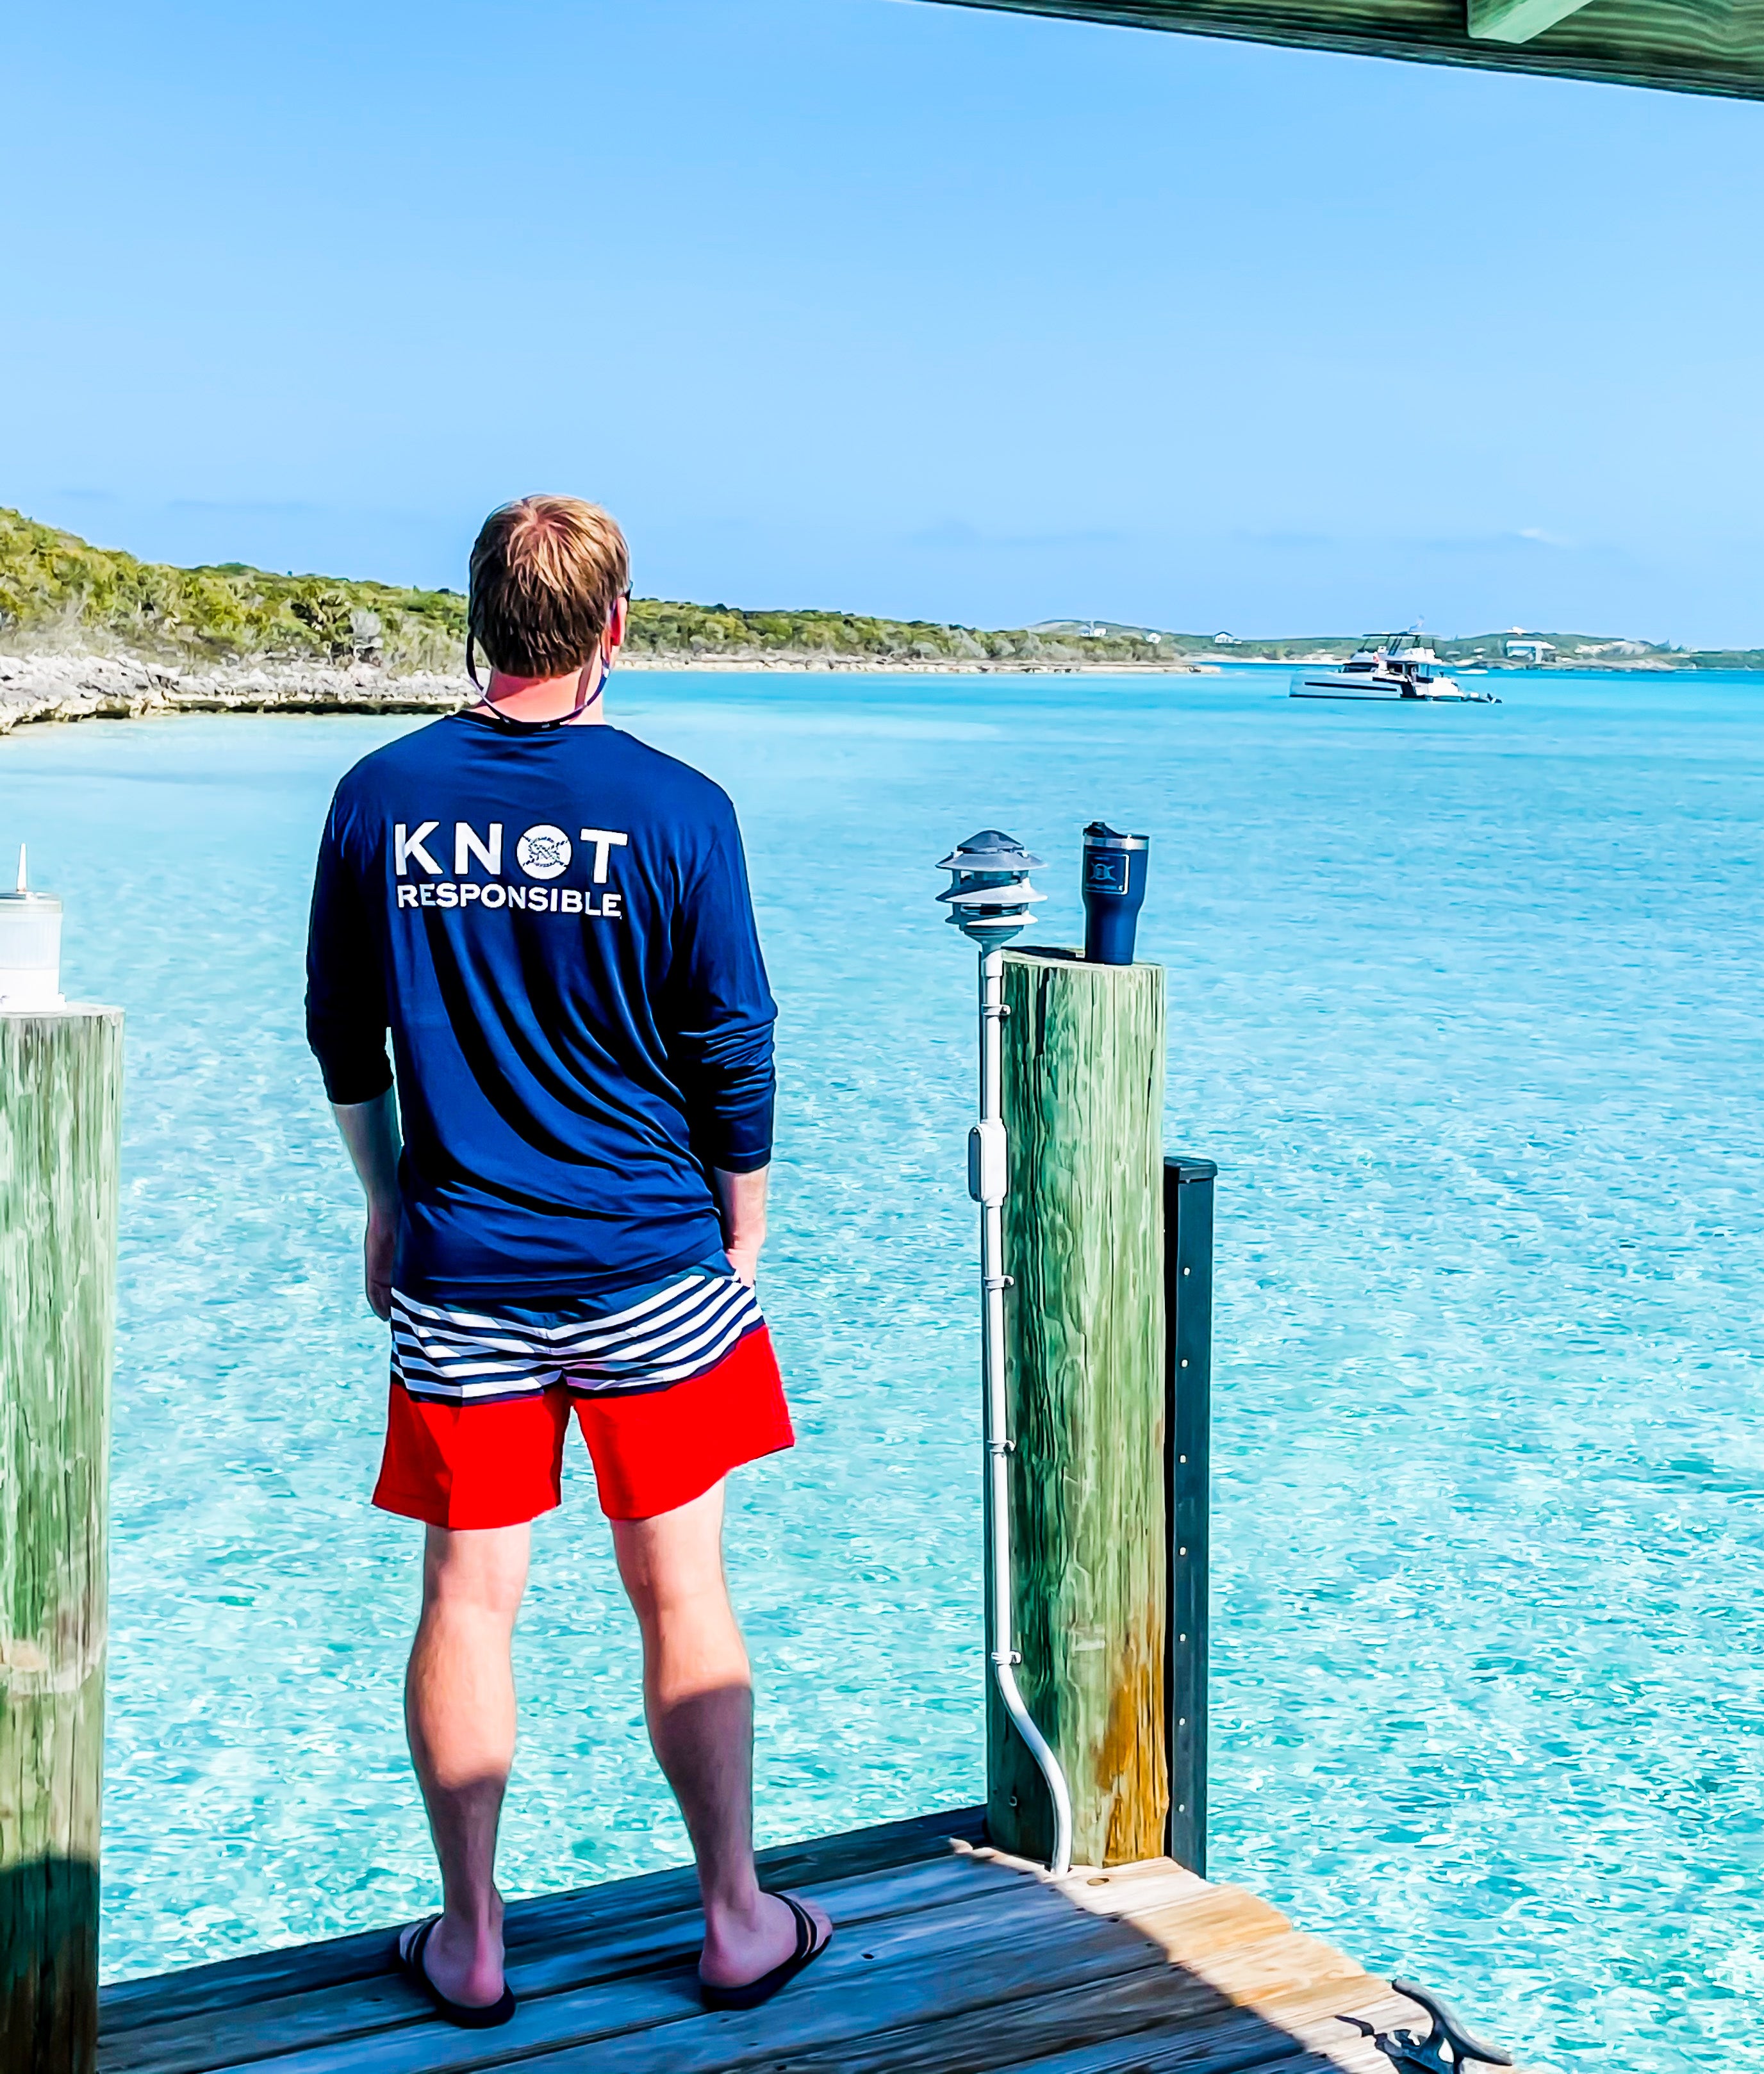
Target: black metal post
(1187,1287)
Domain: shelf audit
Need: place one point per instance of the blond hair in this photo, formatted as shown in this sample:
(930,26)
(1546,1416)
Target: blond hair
(547,573)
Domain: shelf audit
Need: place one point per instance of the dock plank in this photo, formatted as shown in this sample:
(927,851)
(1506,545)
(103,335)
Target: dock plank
(934,1992)
(964,2002)
(1262,1966)
(948,1959)
(1113,2013)
(1124,1889)
(1220,1918)
(1241,2047)
(1021,1921)
(638,1942)
(294,1969)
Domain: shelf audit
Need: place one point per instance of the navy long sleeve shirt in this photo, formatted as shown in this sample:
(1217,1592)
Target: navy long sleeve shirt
(556,929)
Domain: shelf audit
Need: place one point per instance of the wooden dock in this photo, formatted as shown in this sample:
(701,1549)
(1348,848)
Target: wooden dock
(948,1960)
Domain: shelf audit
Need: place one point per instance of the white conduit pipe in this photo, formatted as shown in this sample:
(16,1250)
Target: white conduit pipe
(986,1181)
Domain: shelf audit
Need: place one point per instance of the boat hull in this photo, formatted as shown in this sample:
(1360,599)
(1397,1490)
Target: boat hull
(1444,692)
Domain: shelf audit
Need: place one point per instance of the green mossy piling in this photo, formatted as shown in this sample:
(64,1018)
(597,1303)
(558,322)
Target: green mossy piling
(61,1121)
(1083,1080)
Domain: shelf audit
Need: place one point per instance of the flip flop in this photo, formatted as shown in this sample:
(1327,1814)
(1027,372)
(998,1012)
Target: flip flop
(413,1941)
(761,1990)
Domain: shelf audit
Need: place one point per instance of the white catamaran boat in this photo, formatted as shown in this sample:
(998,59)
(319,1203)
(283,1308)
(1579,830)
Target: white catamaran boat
(1388,666)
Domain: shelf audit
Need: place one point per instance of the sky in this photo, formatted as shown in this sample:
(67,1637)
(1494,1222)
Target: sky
(887,306)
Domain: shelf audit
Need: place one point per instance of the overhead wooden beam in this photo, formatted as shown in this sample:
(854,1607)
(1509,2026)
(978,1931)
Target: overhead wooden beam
(1517,21)
(1685,46)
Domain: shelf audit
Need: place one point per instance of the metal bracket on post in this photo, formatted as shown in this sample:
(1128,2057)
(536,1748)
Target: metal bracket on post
(1188,1283)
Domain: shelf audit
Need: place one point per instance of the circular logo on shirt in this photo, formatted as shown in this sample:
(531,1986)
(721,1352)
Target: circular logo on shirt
(544,852)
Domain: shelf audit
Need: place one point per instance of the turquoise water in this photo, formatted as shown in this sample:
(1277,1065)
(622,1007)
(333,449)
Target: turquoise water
(1464,1004)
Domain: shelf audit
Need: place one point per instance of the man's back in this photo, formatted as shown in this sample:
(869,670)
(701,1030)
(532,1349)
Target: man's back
(555,923)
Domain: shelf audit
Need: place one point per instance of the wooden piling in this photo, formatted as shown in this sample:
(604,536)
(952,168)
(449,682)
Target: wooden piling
(61,1117)
(1084,1074)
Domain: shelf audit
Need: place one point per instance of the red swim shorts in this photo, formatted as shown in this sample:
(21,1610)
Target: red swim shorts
(497,1462)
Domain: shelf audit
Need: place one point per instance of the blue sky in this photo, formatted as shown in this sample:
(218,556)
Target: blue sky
(893,306)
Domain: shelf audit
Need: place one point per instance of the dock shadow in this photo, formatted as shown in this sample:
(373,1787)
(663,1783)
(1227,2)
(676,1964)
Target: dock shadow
(49,1964)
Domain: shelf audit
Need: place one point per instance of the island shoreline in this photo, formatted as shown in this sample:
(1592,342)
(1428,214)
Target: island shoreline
(44,687)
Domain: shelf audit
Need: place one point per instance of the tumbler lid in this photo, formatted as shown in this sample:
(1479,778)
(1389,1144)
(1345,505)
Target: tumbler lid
(1100,836)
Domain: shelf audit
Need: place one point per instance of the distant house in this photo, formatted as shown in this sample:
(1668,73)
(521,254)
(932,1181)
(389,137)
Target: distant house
(1154,638)
(1527,648)
(1224,641)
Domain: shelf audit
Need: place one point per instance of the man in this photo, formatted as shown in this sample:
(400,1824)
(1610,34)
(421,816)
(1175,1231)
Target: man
(552,921)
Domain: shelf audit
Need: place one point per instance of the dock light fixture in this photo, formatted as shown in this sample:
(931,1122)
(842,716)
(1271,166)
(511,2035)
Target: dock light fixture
(990,898)
(30,946)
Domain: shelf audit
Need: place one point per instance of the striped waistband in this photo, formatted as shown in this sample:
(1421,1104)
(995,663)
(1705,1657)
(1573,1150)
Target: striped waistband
(664,1334)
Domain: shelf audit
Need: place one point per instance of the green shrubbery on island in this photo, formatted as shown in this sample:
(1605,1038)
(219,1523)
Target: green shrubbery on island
(661,628)
(57,590)
(56,587)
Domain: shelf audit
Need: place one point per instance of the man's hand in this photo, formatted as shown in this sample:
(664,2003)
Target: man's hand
(370,1131)
(741,1199)
(377,1250)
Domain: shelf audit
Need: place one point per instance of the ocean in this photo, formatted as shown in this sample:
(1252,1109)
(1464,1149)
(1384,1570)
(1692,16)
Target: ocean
(1463,1003)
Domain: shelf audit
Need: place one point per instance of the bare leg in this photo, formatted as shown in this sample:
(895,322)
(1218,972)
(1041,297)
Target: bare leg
(458,1712)
(698,1699)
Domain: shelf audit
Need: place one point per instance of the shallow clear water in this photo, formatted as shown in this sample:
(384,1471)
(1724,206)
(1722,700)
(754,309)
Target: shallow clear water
(1464,1004)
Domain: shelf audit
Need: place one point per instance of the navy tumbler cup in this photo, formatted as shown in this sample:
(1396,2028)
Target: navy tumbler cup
(1114,892)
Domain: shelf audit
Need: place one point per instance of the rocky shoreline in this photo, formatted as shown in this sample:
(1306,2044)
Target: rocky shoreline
(57,687)
(69,687)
